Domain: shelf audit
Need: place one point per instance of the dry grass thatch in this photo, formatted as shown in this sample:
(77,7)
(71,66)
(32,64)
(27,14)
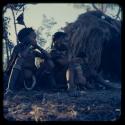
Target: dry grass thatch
(89,33)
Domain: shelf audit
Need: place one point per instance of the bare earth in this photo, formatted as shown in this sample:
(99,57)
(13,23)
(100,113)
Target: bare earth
(91,105)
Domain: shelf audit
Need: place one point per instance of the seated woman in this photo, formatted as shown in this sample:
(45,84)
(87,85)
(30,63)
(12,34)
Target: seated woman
(21,66)
(64,67)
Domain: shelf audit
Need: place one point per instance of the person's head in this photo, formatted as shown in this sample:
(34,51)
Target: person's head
(59,36)
(60,39)
(27,35)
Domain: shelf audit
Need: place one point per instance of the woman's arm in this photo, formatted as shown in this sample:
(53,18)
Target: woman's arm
(12,59)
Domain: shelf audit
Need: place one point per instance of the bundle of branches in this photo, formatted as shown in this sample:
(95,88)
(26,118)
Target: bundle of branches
(92,33)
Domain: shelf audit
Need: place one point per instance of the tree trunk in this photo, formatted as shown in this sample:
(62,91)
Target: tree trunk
(9,48)
(7,51)
(14,24)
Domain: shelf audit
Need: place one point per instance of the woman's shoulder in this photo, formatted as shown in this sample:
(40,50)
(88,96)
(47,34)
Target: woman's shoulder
(17,48)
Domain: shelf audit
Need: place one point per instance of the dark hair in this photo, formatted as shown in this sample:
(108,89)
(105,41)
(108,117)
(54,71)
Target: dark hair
(23,33)
(57,35)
